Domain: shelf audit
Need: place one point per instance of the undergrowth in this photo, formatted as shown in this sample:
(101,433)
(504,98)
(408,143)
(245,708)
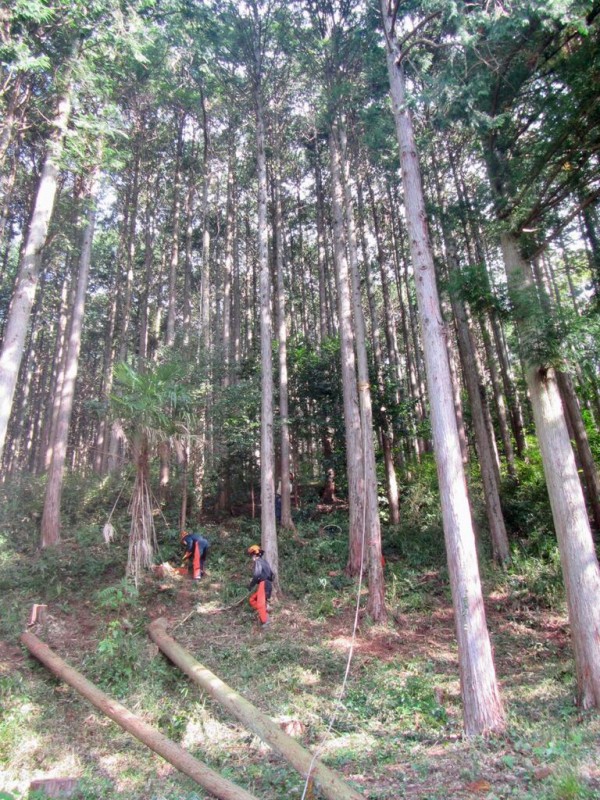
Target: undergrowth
(395,731)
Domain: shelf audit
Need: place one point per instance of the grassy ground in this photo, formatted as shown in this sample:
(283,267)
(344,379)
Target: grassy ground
(397,732)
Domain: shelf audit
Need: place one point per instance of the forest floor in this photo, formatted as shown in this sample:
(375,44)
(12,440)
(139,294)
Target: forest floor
(396,734)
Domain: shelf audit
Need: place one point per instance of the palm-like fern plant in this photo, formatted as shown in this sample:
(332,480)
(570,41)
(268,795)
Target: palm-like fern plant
(154,405)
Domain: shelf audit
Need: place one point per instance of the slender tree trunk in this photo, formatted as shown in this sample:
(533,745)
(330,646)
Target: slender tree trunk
(325,326)
(175,225)
(386,428)
(205,269)
(24,294)
(590,473)
(514,403)
(376,601)
(228,268)
(482,705)
(286,505)
(267,459)
(472,373)
(354,441)
(50,528)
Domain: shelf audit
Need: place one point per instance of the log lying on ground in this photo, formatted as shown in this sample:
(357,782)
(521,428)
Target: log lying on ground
(331,785)
(171,752)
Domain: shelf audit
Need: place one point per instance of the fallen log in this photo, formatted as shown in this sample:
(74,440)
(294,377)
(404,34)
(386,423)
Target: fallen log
(156,741)
(330,784)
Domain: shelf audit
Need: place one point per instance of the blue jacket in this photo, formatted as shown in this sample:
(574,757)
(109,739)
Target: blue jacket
(189,541)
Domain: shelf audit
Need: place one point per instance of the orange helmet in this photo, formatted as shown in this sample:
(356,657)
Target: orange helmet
(254,550)
(183,534)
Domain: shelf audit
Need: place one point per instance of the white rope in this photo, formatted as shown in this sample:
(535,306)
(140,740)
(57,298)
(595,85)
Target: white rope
(354,628)
(115,505)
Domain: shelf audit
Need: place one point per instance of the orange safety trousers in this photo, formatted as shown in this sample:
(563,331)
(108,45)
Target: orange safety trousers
(258,601)
(196,563)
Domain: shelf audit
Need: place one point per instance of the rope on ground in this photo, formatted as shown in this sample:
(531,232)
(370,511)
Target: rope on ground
(319,749)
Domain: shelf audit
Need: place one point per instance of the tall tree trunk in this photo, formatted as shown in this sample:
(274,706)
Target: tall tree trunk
(581,571)
(472,373)
(27,280)
(50,527)
(175,225)
(385,424)
(228,267)
(482,705)
(286,505)
(354,445)
(372,532)
(325,326)
(267,458)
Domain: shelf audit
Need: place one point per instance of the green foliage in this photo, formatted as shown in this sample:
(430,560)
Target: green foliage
(569,787)
(122,596)
(525,502)
(392,697)
(116,663)
(159,400)
(472,284)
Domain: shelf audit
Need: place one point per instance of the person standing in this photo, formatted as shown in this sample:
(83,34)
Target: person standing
(196,549)
(262,578)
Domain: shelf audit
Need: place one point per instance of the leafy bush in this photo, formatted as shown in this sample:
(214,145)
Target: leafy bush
(116,662)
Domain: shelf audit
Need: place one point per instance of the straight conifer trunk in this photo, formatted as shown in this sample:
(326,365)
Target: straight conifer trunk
(27,280)
(352,421)
(581,572)
(51,514)
(482,706)
(286,504)
(267,459)
(376,601)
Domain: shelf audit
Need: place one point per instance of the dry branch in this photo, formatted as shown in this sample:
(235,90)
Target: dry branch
(156,741)
(331,785)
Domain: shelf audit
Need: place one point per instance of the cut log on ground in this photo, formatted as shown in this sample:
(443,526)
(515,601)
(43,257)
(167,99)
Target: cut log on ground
(169,750)
(330,784)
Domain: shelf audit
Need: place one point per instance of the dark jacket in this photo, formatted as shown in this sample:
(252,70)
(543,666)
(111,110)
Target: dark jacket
(189,540)
(262,572)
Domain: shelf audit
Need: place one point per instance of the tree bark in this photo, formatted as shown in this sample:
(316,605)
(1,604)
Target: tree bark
(385,425)
(175,225)
(353,429)
(50,527)
(581,571)
(482,705)
(156,741)
(267,458)
(286,504)
(330,784)
(372,533)
(15,330)
(590,472)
